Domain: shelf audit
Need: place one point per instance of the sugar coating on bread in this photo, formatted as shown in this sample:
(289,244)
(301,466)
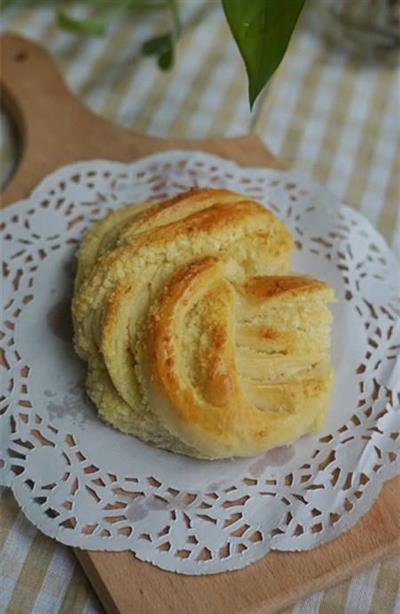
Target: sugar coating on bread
(197,340)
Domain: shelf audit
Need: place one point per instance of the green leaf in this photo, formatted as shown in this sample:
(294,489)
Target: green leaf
(163,47)
(95,27)
(166,59)
(4,4)
(262,30)
(156,45)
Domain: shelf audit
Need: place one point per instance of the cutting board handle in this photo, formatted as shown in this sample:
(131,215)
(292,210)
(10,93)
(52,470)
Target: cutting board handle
(57,129)
(33,88)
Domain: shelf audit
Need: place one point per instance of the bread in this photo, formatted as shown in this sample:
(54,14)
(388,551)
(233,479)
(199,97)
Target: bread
(197,339)
(102,237)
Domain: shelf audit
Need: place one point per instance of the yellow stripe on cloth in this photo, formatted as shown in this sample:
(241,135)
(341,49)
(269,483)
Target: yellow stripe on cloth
(303,103)
(370,133)
(78,594)
(334,599)
(9,511)
(32,574)
(387,587)
(390,209)
(337,117)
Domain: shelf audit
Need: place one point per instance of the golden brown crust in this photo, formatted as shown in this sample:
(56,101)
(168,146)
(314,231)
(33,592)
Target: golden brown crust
(273,286)
(235,415)
(190,344)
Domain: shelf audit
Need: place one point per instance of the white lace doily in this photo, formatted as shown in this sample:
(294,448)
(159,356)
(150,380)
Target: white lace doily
(90,486)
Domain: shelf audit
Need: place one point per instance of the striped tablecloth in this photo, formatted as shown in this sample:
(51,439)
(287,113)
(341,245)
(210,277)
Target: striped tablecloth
(331,115)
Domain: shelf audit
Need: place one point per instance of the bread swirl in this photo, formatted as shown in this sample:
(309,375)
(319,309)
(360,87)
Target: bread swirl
(211,386)
(250,353)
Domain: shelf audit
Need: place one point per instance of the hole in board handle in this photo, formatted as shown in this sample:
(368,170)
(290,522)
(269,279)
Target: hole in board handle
(21,56)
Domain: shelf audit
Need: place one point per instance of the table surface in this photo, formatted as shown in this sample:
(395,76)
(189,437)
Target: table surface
(330,114)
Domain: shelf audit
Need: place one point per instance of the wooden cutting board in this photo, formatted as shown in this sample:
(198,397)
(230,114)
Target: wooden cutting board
(56,129)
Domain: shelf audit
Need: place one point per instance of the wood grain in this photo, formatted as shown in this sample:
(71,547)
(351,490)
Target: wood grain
(56,129)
